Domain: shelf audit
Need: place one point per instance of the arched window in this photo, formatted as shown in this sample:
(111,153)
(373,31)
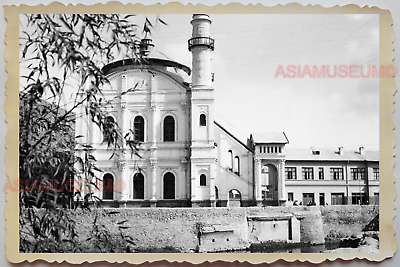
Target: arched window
(237,165)
(235,195)
(169,129)
(203,180)
(169,186)
(203,120)
(108,130)
(138,186)
(108,186)
(230,160)
(138,125)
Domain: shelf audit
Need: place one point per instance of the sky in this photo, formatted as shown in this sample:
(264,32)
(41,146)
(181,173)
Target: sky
(250,97)
(313,112)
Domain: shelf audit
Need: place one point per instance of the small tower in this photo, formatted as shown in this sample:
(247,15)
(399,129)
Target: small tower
(202,158)
(201,45)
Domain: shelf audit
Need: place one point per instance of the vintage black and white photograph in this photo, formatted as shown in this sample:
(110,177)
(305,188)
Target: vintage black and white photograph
(199,133)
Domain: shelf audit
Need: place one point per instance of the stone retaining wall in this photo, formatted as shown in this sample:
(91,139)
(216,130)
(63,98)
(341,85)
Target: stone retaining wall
(179,228)
(172,227)
(347,220)
(213,229)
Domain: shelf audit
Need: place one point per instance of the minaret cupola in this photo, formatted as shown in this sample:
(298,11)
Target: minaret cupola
(201,32)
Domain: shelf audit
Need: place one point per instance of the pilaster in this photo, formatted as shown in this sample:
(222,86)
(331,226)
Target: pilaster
(281,182)
(212,185)
(257,182)
(123,185)
(153,138)
(153,199)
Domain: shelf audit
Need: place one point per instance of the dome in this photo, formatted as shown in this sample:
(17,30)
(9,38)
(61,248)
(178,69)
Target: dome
(154,58)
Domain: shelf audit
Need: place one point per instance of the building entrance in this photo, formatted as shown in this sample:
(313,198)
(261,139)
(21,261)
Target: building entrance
(269,182)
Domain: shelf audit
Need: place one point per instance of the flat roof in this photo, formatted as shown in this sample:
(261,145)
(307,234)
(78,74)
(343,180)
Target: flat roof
(330,155)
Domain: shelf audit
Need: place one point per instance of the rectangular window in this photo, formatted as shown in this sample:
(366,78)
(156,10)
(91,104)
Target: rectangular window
(264,149)
(337,198)
(307,173)
(376,199)
(375,173)
(321,173)
(290,196)
(290,173)
(260,149)
(337,173)
(357,173)
(280,149)
(358,198)
(308,199)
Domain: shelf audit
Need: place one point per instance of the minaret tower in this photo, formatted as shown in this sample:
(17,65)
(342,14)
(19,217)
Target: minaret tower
(203,155)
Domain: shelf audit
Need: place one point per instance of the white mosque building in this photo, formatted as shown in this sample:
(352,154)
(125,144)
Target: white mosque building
(190,160)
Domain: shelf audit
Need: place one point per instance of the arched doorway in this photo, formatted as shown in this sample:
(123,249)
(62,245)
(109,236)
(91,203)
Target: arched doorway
(108,186)
(138,186)
(169,186)
(235,198)
(269,182)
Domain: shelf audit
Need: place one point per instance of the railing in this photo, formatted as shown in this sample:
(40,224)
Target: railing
(201,41)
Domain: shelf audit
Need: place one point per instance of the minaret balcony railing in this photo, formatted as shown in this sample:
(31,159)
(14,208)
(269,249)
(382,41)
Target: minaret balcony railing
(201,41)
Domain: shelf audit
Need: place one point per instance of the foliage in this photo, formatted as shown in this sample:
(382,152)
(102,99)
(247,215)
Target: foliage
(63,53)
(46,231)
(51,160)
(102,239)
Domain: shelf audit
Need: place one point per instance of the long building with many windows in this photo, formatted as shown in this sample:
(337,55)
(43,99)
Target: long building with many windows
(186,158)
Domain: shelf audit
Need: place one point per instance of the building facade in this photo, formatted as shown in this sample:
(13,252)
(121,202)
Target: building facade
(186,158)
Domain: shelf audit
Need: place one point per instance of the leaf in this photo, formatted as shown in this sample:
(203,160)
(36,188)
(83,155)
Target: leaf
(122,222)
(148,22)
(123,227)
(128,16)
(130,242)
(27,77)
(31,74)
(97,169)
(146,29)
(162,22)
(98,199)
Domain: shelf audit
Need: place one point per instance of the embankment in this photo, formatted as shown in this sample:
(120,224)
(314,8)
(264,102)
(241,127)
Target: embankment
(346,221)
(177,228)
(212,229)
